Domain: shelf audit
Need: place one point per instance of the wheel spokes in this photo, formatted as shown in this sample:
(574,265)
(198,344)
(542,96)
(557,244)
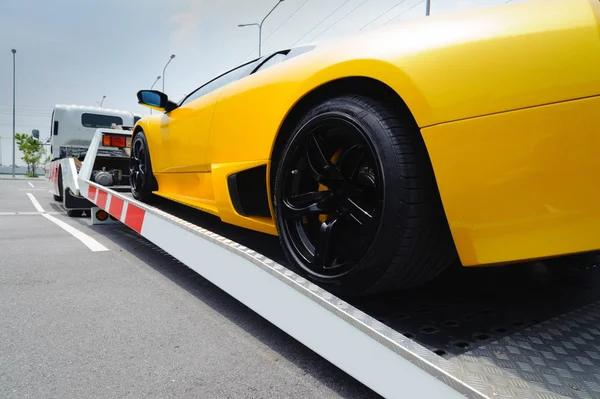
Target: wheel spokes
(137,165)
(136,151)
(350,161)
(316,202)
(138,180)
(358,213)
(322,254)
(324,171)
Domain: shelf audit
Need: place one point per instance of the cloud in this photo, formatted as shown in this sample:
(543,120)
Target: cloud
(189,21)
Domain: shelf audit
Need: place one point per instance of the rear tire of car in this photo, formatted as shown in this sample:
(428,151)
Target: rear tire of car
(386,228)
(142,180)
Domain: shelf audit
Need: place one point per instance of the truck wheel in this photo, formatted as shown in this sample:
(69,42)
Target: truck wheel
(356,203)
(74,213)
(142,180)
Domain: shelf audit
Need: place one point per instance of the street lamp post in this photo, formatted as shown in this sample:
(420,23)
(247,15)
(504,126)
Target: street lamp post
(14,52)
(102,101)
(157,79)
(164,69)
(427,7)
(151,87)
(260,26)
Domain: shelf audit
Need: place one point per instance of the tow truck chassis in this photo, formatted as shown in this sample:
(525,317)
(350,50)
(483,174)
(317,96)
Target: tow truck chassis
(527,331)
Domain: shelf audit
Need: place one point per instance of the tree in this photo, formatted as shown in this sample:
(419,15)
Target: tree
(32,150)
(45,161)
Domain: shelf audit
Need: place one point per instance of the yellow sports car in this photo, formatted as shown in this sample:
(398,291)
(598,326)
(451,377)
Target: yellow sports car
(379,158)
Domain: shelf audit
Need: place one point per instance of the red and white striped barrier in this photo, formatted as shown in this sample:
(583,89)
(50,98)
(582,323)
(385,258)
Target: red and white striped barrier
(118,207)
(53,177)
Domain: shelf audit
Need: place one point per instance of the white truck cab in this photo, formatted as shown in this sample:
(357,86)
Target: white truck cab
(72,131)
(73,127)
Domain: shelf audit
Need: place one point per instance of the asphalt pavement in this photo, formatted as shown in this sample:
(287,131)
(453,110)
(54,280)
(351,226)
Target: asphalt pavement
(120,318)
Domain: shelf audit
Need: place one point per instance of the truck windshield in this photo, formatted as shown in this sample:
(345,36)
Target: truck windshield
(100,121)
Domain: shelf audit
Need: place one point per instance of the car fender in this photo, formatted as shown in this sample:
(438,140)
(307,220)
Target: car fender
(151,128)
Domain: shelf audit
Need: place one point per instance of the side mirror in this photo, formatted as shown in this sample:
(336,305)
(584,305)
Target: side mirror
(156,100)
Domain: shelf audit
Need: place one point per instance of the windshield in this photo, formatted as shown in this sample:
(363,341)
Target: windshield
(100,121)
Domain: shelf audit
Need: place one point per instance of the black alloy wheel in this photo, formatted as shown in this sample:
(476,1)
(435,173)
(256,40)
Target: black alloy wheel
(332,199)
(355,199)
(141,178)
(137,168)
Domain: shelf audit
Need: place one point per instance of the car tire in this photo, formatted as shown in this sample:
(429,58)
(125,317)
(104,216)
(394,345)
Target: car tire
(141,177)
(386,228)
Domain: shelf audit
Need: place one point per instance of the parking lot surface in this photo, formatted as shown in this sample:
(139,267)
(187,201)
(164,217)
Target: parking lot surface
(97,311)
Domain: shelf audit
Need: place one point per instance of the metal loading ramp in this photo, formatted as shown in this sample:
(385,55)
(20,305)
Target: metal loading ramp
(536,324)
(514,332)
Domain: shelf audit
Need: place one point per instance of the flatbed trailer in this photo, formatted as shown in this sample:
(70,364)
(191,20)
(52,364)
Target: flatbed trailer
(526,331)
(66,173)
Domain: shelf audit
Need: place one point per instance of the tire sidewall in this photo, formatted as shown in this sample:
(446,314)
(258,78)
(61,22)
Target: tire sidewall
(145,191)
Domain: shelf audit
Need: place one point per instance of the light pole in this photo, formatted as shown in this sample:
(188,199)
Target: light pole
(427,7)
(260,26)
(163,79)
(157,79)
(151,87)
(102,101)
(14,52)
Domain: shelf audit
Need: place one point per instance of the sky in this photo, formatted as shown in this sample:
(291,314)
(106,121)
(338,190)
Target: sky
(77,51)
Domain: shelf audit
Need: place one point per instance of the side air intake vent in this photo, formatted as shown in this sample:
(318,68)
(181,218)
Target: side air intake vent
(248,192)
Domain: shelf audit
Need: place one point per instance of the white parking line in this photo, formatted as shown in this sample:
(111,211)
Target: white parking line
(25,213)
(35,202)
(88,241)
(92,244)
(30,183)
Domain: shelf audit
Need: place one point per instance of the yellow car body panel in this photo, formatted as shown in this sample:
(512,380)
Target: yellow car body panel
(192,189)
(184,135)
(505,96)
(227,211)
(521,184)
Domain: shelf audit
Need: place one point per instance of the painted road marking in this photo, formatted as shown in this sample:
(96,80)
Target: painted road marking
(35,202)
(31,184)
(92,244)
(88,241)
(25,213)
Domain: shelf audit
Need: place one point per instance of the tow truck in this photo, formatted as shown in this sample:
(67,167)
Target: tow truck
(71,132)
(531,331)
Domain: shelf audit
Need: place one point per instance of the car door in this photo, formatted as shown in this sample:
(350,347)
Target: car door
(185,131)
(184,134)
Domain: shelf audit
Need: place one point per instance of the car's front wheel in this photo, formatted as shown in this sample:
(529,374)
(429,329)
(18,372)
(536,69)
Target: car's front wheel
(355,199)
(141,177)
